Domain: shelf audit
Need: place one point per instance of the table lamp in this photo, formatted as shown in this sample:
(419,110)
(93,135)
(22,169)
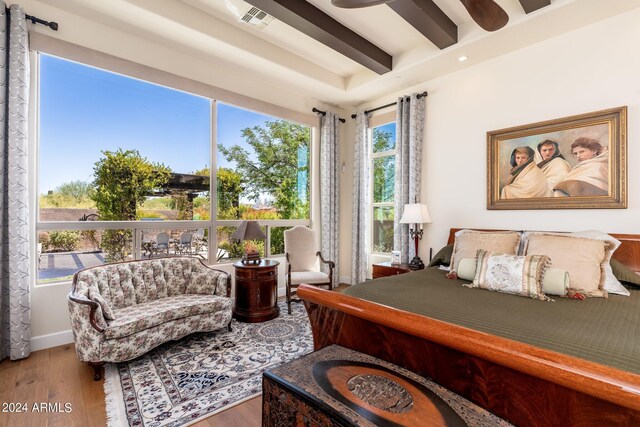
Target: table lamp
(417,214)
(249,230)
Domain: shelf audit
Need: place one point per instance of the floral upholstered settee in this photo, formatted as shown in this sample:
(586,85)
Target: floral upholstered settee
(120,311)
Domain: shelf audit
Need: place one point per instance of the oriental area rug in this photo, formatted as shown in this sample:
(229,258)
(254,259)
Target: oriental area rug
(181,382)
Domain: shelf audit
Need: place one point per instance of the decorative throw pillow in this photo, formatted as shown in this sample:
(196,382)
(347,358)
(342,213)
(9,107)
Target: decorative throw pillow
(467,269)
(611,284)
(583,258)
(554,282)
(468,242)
(96,296)
(511,274)
(443,257)
(624,273)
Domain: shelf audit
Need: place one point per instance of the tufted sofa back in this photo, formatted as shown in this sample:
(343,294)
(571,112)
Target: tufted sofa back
(135,282)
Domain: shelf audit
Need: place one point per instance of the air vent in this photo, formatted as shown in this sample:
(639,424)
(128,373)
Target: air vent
(256,17)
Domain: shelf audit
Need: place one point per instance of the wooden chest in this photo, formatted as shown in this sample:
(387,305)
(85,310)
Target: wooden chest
(336,386)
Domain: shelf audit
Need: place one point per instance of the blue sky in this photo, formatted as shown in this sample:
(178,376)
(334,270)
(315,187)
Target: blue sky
(84,110)
(389,128)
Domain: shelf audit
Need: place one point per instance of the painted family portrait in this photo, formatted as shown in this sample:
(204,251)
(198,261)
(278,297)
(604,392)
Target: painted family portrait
(574,162)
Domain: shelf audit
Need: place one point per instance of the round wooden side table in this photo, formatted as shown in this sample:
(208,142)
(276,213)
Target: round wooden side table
(256,291)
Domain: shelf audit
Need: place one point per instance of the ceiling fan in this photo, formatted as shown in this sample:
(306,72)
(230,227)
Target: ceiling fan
(487,13)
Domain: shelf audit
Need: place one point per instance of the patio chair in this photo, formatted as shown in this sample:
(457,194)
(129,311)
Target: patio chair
(184,246)
(162,243)
(198,240)
(300,249)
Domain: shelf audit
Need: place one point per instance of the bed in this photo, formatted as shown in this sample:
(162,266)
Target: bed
(529,384)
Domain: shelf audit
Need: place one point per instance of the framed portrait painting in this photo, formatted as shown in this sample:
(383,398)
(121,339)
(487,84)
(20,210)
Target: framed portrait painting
(577,162)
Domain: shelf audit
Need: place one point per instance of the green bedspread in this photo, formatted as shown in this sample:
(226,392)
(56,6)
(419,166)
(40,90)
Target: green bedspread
(606,331)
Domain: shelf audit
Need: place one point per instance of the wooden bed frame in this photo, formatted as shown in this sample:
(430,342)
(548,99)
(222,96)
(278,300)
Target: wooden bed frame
(524,384)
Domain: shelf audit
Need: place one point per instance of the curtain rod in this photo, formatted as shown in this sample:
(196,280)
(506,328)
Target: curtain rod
(324,113)
(420,95)
(34,20)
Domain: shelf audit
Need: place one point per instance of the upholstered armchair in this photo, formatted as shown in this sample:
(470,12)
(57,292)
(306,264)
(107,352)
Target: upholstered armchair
(300,248)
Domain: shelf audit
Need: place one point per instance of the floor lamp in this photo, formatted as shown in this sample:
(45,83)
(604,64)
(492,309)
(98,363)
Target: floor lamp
(417,214)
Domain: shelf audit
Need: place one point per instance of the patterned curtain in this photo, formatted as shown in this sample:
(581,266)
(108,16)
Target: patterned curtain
(15,310)
(361,192)
(409,131)
(329,190)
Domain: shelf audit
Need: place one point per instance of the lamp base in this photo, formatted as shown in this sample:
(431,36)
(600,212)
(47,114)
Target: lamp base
(416,263)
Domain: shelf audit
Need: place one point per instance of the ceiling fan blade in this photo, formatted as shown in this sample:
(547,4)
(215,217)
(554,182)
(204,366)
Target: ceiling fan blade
(352,4)
(487,13)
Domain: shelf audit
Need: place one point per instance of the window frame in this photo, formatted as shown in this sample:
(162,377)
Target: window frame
(381,121)
(87,57)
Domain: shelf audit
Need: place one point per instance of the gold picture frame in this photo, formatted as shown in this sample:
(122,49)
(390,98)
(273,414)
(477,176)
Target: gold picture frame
(582,159)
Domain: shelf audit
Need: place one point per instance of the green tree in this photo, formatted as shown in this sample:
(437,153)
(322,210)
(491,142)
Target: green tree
(78,190)
(123,180)
(382,140)
(383,167)
(74,194)
(229,189)
(279,165)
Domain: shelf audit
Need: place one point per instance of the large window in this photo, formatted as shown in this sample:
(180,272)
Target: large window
(124,172)
(263,174)
(383,182)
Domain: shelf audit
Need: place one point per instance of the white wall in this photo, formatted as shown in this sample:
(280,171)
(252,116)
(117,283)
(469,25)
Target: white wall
(593,68)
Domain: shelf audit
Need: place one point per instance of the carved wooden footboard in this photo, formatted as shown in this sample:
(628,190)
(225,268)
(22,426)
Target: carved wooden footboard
(526,385)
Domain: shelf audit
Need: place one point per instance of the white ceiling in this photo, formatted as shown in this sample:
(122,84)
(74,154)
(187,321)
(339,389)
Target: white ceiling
(283,56)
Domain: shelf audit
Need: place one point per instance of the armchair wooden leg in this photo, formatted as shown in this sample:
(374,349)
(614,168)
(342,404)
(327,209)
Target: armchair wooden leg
(229,325)
(289,298)
(97,370)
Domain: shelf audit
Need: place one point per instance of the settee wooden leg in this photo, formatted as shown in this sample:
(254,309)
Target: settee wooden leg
(97,369)
(229,326)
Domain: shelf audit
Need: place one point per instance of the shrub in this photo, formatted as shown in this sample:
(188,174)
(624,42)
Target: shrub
(64,240)
(117,245)
(46,242)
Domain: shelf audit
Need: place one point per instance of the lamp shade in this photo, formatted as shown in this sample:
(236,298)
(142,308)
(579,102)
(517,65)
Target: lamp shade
(248,230)
(415,213)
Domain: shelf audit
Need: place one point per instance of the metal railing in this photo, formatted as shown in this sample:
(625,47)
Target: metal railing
(139,228)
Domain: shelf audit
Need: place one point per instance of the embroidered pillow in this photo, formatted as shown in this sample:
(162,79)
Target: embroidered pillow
(511,274)
(468,242)
(554,282)
(583,258)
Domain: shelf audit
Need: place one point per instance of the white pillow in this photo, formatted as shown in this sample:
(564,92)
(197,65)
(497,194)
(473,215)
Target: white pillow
(611,284)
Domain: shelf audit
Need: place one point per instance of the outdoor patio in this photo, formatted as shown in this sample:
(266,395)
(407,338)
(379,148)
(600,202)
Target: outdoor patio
(60,266)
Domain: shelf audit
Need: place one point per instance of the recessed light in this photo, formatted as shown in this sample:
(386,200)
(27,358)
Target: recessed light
(463,58)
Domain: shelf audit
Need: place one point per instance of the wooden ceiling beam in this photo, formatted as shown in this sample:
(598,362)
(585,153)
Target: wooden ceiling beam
(426,17)
(313,22)
(533,5)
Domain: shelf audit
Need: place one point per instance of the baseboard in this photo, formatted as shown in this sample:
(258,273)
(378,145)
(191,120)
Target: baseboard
(42,342)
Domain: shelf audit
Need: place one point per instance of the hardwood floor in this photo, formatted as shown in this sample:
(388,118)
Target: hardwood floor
(56,376)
